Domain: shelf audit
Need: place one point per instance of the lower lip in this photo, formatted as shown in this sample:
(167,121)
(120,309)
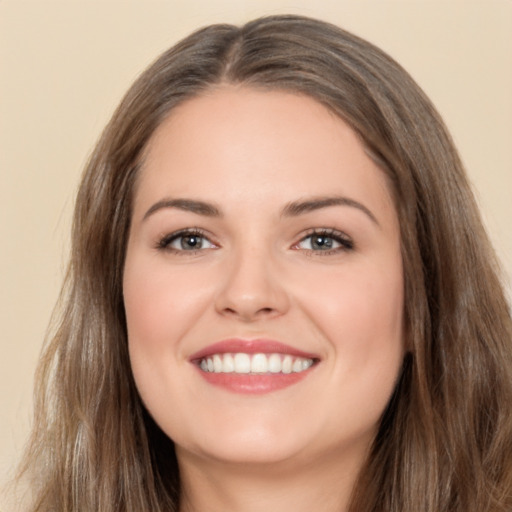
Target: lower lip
(252,383)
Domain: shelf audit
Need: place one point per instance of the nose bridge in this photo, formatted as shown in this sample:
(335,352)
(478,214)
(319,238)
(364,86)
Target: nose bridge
(252,287)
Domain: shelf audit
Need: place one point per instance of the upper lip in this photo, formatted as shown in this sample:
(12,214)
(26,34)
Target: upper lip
(250,346)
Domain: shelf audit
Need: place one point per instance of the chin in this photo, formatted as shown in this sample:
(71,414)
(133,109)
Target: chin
(255,452)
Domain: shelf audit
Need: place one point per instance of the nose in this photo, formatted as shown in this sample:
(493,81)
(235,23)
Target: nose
(252,288)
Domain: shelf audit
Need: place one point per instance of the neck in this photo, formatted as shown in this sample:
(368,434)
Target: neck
(213,486)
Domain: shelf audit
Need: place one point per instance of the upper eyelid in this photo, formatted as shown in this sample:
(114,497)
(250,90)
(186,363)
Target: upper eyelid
(325,231)
(164,239)
(185,231)
(329,232)
(346,241)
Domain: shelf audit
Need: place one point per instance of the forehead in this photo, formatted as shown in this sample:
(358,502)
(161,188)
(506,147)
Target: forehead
(237,142)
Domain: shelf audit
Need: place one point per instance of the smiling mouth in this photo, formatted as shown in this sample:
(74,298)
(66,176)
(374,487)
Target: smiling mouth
(255,364)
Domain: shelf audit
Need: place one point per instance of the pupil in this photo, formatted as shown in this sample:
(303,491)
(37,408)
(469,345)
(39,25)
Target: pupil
(190,242)
(322,242)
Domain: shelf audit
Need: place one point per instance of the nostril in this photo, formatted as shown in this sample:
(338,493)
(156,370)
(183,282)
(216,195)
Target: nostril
(259,311)
(249,313)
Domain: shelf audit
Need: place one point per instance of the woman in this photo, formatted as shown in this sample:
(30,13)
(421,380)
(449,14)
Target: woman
(280,295)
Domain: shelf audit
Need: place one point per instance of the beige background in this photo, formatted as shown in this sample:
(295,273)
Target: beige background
(64,66)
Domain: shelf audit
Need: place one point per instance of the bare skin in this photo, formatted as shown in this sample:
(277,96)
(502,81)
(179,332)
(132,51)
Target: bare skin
(260,221)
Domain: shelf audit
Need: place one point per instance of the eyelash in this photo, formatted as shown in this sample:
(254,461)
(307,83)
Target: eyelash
(165,242)
(345,243)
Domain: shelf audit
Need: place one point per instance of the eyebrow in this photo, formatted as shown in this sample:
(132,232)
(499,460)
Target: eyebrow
(316,203)
(292,209)
(187,205)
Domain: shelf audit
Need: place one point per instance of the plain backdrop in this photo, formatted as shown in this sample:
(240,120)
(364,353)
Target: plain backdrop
(64,66)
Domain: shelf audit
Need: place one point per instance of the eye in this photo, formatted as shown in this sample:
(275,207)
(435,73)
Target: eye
(187,240)
(327,241)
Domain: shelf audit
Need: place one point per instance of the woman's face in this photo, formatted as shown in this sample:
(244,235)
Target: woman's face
(263,282)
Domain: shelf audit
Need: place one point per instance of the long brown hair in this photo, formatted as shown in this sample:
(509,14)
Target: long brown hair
(445,439)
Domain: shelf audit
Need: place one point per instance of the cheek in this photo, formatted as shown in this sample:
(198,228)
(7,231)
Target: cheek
(360,312)
(367,302)
(355,313)
(160,304)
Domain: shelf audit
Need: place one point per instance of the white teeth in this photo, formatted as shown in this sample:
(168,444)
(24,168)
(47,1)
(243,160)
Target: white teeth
(306,363)
(274,363)
(259,363)
(297,365)
(217,363)
(228,364)
(287,364)
(242,363)
(254,363)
